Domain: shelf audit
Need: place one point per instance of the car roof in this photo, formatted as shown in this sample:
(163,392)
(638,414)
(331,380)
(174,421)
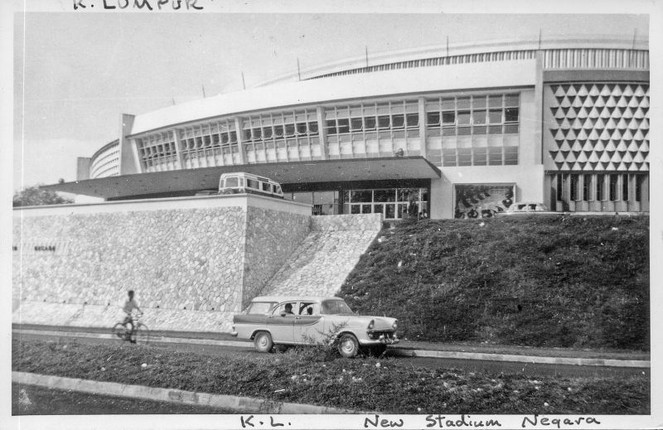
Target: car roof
(293,298)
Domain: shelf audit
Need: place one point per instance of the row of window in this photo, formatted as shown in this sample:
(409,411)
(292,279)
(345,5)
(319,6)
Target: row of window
(445,116)
(600,187)
(392,203)
(479,156)
(281,131)
(439,61)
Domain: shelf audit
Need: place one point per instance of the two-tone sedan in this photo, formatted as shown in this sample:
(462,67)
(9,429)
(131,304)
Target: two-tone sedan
(270,321)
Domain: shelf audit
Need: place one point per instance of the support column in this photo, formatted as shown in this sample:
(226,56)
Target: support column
(322,132)
(538,113)
(129,158)
(240,144)
(423,123)
(178,148)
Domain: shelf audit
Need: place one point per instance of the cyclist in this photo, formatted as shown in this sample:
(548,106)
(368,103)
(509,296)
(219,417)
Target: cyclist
(129,306)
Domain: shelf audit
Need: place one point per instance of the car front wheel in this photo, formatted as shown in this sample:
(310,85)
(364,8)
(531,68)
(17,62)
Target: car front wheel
(263,342)
(348,346)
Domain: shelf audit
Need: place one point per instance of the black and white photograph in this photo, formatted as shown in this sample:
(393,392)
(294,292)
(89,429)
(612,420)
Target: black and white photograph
(332,215)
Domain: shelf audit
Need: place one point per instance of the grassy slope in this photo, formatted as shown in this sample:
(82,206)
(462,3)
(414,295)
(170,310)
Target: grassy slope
(554,281)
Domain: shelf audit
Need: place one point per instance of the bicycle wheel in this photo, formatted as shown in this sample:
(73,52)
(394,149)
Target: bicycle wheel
(142,334)
(119,331)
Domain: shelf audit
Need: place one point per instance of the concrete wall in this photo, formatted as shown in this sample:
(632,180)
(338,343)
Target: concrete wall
(192,262)
(527,175)
(327,255)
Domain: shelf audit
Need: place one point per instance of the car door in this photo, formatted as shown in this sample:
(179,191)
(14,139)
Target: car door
(281,322)
(308,326)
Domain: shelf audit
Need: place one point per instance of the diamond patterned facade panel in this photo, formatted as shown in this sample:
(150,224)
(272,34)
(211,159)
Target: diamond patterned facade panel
(597,127)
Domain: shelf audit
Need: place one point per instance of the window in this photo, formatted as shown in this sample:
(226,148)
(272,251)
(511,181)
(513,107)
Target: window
(464,156)
(313,128)
(383,122)
(343,125)
(560,187)
(361,196)
(480,157)
(385,196)
(464,117)
(398,121)
(448,118)
(574,187)
(614,179)
(463,103)
(600,187)
(625,187)
(356,124)
(495,116)
(369,122)
(433,119)
(510,155)
(479,117)
(449,157)
(511,115)
(495,156)
(412,119)
(586,187)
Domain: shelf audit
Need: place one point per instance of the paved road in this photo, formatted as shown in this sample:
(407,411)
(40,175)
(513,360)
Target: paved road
(471,365)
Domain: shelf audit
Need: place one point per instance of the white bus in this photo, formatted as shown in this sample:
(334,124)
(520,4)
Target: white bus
(241,182)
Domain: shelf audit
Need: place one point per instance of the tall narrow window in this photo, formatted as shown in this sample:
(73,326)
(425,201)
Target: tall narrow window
(638,188)
(586,187)
(614,179)
(625,187)
(560,187)
(600,187)
(574,187)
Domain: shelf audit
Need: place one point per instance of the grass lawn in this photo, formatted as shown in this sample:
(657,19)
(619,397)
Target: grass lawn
(539,280)
(362,384)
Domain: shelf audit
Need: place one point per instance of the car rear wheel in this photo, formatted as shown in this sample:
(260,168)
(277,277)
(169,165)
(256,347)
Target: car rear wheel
(348,346)
(263,341)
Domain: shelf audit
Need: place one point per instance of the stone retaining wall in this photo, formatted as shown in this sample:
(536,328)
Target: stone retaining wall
(191,268)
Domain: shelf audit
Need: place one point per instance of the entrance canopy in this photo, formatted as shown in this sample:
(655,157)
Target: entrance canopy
(179,182)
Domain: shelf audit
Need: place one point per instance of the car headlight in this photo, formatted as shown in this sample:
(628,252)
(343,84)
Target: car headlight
(394,325)
(371,324)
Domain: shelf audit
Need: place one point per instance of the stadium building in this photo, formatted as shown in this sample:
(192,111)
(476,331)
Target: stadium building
(457,131)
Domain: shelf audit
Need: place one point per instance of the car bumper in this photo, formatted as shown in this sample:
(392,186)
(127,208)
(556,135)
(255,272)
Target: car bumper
(380,340)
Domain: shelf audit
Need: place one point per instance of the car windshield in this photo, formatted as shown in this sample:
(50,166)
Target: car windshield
(260,307)
(335,307)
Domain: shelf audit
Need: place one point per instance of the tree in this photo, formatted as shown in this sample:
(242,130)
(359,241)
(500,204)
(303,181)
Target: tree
(35,196)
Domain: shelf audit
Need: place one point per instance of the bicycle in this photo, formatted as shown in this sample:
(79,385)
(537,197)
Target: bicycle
(140,333)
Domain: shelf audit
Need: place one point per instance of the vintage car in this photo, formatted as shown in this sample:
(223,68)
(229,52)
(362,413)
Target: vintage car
(527,208)
(270,321)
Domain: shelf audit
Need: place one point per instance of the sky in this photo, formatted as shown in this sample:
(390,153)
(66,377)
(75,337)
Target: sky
(74,74)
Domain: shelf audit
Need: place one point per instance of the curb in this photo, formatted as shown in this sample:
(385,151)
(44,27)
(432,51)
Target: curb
(221,401)
(402,352)
(597,362)
(159,339)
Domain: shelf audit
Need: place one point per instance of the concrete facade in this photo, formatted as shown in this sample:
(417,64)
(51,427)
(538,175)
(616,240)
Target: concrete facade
(562,122)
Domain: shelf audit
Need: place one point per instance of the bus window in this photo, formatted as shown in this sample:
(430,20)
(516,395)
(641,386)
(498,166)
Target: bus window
(232,182)
(266,187)
(252,184)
